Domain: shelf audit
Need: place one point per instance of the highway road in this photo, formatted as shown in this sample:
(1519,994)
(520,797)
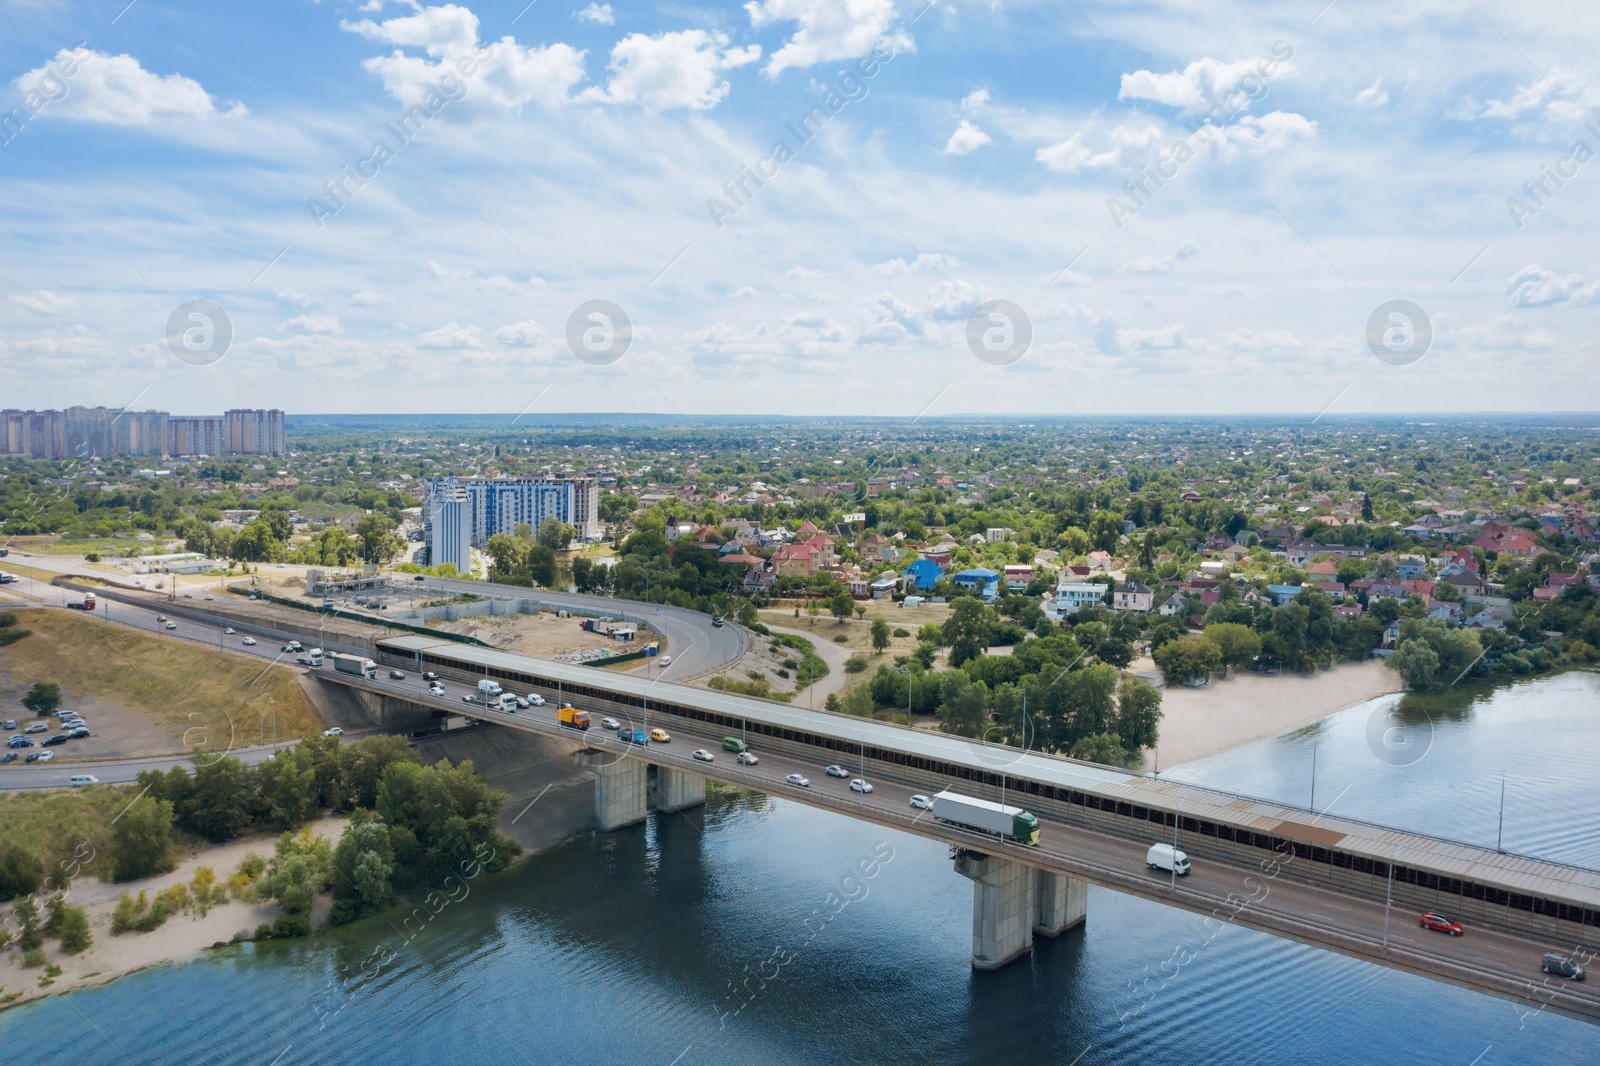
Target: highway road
(1484,959)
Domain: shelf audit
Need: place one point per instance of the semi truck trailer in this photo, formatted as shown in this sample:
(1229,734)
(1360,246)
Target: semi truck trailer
(355,664)
(985,816)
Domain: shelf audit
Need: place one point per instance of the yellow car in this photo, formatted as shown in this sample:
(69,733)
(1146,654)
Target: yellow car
(660,736)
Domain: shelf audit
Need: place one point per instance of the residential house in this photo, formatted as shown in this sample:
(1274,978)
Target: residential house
(1132,596)
(1283,594)
(797,560)
(1174,604)
(1071,595)
(921,575)
(1017,576)
(883,588)
(976,579)
(1411,566)
(1445,611)
(1468,583)
(1323,569)
(1100,561)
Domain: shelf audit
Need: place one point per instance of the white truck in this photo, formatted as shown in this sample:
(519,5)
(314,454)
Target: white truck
(355,664)
(986,816)
(311,658)
(455,721)
(489,689)
(1168,858)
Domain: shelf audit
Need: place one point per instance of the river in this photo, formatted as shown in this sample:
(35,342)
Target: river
(747,932)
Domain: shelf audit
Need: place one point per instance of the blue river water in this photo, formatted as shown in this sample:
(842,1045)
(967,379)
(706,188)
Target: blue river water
(756,930)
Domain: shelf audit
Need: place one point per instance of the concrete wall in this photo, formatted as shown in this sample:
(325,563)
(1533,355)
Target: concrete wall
(677,789)
(1002,908)
(495,607)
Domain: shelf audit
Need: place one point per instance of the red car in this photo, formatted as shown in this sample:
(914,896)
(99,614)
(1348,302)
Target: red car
(1440,924)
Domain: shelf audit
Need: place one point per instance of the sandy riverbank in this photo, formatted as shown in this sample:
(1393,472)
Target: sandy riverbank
(1197,722)
(181,937)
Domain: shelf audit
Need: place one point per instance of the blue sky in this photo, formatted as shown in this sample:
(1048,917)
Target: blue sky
(1322,162)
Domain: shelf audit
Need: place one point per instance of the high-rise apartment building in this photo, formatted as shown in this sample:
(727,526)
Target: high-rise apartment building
(500,504)
(450,529)
(197,435)
(258,431)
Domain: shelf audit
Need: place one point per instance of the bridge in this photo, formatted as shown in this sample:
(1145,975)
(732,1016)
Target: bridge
(1333,882)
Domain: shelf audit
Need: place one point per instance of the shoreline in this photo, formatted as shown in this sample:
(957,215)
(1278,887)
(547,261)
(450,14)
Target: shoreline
(1197,723)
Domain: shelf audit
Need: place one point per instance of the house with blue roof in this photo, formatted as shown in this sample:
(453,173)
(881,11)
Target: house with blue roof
(922,574)
(1284,594)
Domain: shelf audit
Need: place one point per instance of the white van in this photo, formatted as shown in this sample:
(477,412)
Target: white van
(79,780)
(1168,858)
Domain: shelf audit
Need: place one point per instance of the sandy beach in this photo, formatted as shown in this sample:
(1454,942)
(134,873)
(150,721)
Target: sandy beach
(1197,722)
(181,937)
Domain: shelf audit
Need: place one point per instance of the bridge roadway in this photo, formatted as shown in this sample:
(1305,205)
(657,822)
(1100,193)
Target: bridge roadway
(1500,962)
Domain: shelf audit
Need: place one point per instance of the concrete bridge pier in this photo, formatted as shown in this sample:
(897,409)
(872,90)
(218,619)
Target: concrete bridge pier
(678,789)
(621,788)
(1059,902)
(1002,908)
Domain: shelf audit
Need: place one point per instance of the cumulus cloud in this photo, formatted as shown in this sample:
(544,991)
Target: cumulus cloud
(974,100)
(953,299)
(807,272)
(891,267)
(886,319)
(1563,97)
(452,335)
(294,298)
(743,293)
(1374,95)
(117,90)
(506,75)
(681,69)
(966,138)
(43,302)
(1258,136)
(1187,250)
(369,299)
(598,13)
(525,334)
(313,326)
(1533,286)
(828,29)
(1148,264)
(1200,85)
(1072,155)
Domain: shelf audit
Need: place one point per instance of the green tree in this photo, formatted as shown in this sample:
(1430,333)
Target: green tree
(21,873)
(1114,650)
(287,786)
(1238,645)
(963,707)
(880,635)
(141,840)
(363,866)
(1102,748)
(42,698)
(1189,659)
(379,542)
(842,606)
(73,930)
(223,800)
(963,630)
(1105,529)
(556,534)
(1416,663)
(30,936)
(1138,714)
(299,869)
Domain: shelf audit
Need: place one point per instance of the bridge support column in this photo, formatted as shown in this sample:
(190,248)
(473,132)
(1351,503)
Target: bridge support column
(621,788)
(677,789)
(1002,908)
(1059,902)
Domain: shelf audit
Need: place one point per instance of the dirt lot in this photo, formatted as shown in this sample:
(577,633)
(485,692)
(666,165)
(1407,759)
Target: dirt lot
(857,634)
(543,636)
(146,696)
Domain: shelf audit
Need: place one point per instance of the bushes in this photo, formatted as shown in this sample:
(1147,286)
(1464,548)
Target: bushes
(10,632)
(21,873)
(141,840)
(855,664)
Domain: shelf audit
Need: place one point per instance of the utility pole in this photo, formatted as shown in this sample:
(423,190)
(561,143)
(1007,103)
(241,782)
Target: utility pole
(1500,828)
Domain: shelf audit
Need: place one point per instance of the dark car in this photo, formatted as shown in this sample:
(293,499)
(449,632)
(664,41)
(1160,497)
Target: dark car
(1440,924)
(634,736)
(1561,966)
(19,742)
(78,733)
(717,623)
(398,675)
(429,675)
(9,756)
(59,738)
(33,756)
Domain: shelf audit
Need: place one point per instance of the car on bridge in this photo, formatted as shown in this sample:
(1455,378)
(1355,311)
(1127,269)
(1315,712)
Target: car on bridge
(229,631)
(294,645)
(660,736)
(837,771)
(1439,924)
(747,758)
(799,779)
(1561,966)
(860,784)
(610,723)
(172,625)
(249,642)
(536,700)
(429,675)
(436,689)
(398,675)
(633,736)
(703,755)
(921,802)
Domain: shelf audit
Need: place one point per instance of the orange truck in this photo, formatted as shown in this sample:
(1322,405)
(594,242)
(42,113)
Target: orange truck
(573,718)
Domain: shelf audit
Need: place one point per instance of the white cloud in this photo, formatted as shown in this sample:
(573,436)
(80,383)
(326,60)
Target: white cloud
(599,13)
(671,70)
(807,272)
(117,90)
(1533,286)
(891,267)
(974,100)
(953,299)
(1188,250)
(966,138)
(1259,135)
(1374,95)
(313,326)
(1200,85)
(1072,155)
(828,29)
(886,319)
(453,335)
(744,293)
(1508,333)
(293,298)
(369,299)
(1565,97)
(43,302)
(525,334)
(506,74)
(1148,264)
